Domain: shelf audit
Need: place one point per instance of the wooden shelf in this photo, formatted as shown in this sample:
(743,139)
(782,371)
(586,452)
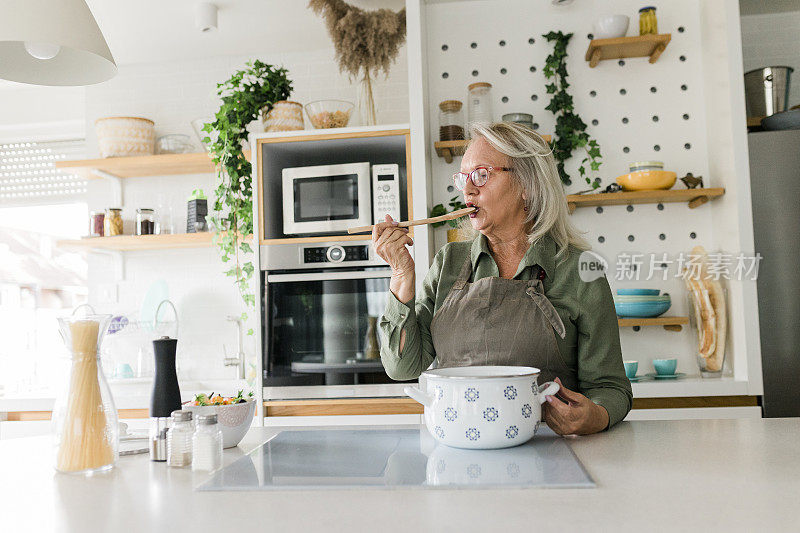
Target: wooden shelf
(451,149)
(693,197)
(637,46)
(148,165)
(670,323)
(129,243)
(301,240)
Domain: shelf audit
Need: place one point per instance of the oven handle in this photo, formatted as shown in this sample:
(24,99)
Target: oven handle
(326,276)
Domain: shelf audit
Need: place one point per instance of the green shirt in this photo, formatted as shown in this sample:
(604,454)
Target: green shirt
(591,345)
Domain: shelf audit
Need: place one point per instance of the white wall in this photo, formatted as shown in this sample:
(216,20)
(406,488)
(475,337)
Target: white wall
(770,39)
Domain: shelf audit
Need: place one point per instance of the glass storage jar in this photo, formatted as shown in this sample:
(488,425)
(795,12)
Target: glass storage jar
(648,24)
(480,102)
(145,221)
(85,418)
(112,223)
(451,121)
(525,119)
(179,439)
(207,444)
(96,224)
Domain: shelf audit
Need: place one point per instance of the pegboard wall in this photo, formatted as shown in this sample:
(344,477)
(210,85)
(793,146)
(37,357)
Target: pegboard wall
(635,110)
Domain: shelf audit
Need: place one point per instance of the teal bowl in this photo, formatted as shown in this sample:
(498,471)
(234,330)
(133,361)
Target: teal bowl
(641,309)
(665,367)
(638,292)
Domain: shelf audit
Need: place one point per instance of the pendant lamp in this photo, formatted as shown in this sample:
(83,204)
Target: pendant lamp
(52,42)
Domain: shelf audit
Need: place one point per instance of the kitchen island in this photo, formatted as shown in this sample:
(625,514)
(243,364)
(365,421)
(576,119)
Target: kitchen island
(710,475)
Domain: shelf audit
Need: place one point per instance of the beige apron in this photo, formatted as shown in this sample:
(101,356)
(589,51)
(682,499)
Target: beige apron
(496,321)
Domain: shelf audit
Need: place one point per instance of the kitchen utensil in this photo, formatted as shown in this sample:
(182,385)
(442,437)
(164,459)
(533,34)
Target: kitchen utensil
(631,367)
(645,165)
(166,395)
(767,90)
(479,102)
(611,26)
(325,114)
(647,180)
(641,309)
(451,121)
(285,115)
(234,420)
(482,407)
(407,223)
(656,375)
(125,136)
(787,120)
(638,292)
(635,298)
(86,424)
(174,143)
(665,367)
(525,119)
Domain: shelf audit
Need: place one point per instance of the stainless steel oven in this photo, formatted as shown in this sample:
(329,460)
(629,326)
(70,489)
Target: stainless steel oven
(320,307)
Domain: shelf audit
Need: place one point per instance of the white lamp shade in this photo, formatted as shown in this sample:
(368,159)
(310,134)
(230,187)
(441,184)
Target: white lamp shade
(83,56)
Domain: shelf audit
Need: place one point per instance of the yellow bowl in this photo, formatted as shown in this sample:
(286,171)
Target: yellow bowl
(647,180)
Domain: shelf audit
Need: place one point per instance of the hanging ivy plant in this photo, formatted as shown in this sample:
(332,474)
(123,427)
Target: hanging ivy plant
(243,95)
(570,133)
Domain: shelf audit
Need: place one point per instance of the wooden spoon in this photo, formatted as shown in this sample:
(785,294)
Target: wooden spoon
(421,222)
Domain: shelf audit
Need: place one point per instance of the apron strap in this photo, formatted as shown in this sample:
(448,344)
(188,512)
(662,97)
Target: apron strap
(464,275)
(536,291)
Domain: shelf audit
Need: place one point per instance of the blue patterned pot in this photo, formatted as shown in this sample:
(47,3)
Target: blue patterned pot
(482,407)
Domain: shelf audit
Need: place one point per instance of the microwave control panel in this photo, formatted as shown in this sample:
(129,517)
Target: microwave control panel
(385,192)
(335,254)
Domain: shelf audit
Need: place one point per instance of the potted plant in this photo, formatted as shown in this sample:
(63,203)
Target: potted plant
(454,233)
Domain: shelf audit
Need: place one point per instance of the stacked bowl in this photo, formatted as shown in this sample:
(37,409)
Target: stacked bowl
(641,303)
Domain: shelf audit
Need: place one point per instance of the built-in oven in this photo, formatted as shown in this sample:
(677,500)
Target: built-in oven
(320,306)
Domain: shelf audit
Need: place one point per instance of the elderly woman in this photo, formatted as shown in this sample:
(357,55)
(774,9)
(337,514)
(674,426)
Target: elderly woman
(511,296)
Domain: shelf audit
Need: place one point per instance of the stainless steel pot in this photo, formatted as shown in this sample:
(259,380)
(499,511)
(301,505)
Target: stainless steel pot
(767,90)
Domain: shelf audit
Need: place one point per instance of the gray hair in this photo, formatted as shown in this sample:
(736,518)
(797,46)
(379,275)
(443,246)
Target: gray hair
(534,172)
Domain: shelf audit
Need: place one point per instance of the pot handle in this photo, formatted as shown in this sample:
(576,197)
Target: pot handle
(418,396)
(547,389)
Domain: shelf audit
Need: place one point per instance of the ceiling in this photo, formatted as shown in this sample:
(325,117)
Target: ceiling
(760,7)
(145,31)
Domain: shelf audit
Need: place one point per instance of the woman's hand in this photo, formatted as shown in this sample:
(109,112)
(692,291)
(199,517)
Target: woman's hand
(390,244)
(575,415)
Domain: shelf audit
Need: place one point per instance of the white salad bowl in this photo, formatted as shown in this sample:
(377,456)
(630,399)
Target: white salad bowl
(234,419)
(611,26)
(482,407)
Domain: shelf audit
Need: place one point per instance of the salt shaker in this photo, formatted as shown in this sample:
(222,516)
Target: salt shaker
(207,444)
(179,439)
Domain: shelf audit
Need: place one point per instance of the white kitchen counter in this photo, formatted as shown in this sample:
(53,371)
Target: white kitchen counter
(704,475)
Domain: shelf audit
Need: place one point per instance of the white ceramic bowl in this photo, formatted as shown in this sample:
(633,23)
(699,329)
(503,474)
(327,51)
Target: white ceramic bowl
(611,26)
(482,407)
(234,420)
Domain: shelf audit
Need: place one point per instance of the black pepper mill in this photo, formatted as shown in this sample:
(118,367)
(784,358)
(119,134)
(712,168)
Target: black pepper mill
(166,396)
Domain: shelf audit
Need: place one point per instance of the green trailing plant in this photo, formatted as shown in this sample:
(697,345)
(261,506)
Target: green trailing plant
(244,95)
(439,210)
(570,133)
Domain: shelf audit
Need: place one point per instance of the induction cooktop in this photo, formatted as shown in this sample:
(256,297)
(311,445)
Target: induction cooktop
(397,458)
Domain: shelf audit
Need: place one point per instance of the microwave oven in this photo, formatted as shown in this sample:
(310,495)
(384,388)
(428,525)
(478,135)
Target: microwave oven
(326,199)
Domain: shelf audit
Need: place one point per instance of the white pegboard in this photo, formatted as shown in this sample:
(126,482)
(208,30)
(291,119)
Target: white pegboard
(502,42)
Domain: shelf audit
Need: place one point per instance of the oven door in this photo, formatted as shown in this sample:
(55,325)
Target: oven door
(321,327)
(326,199)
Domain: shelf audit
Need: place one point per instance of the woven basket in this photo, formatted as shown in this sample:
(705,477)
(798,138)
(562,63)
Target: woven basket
(125,136)
(284,116)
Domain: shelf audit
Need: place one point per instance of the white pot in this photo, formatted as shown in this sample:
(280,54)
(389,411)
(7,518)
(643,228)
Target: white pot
(611,26)
(482,407)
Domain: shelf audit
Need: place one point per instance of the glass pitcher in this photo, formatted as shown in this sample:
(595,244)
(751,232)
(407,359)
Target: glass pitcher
(85,418)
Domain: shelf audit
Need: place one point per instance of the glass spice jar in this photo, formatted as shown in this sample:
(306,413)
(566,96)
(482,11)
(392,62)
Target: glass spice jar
(451,121)
(648,24)
(112,222)
(96,224)
(145,222)
(480,102)
(207,444)
(179,439)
